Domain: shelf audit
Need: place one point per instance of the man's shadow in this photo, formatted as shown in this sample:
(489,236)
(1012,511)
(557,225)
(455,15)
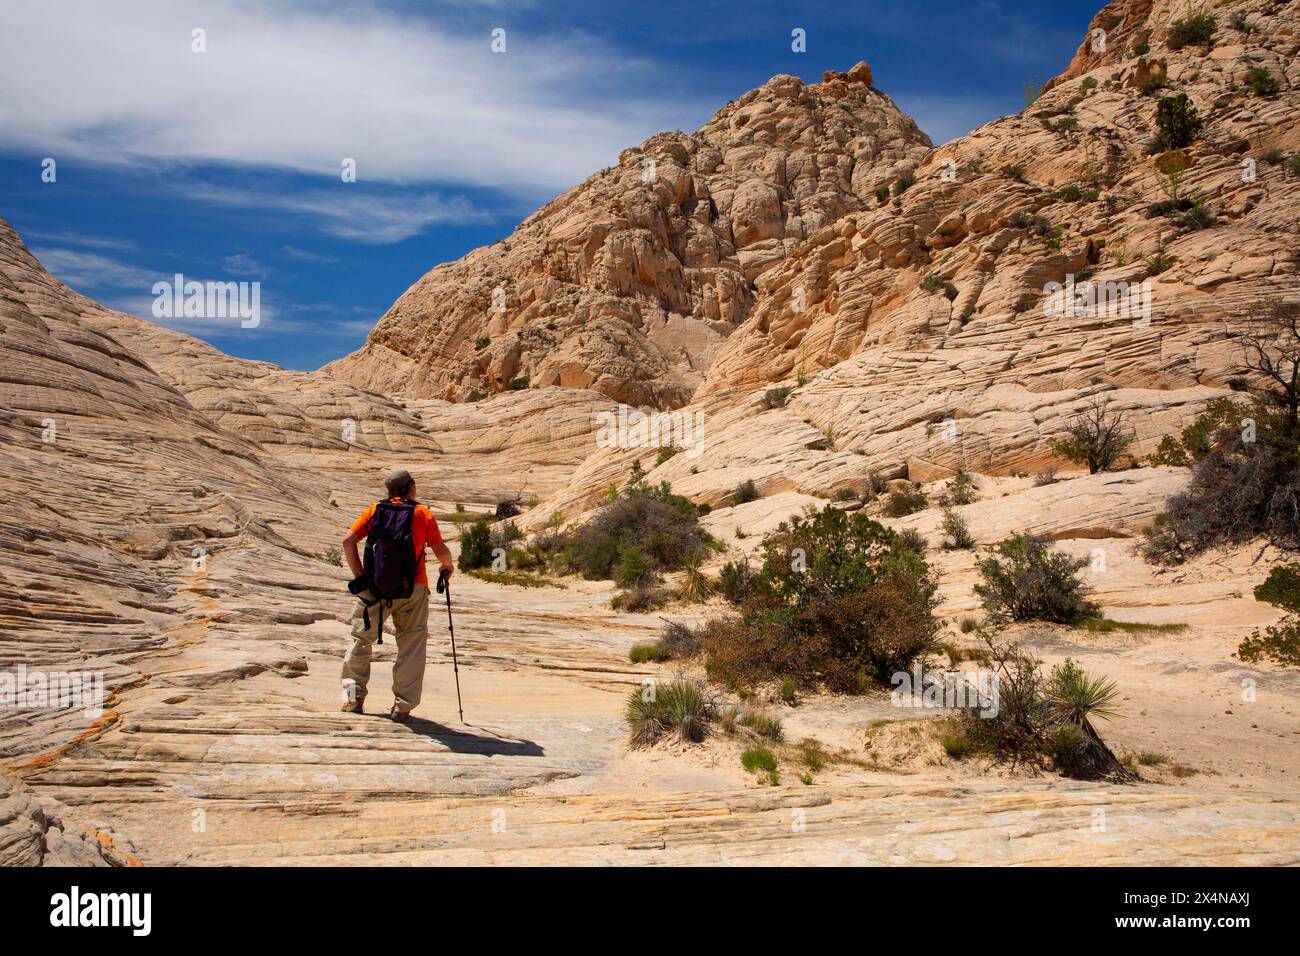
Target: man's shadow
(463,742)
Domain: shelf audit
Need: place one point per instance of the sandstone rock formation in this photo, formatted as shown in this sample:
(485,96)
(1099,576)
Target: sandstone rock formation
(630,283)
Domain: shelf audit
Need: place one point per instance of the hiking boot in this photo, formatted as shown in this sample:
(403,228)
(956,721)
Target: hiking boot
(399,716)
(354,706)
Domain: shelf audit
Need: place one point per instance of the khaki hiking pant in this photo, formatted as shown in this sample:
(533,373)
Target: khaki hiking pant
(410,617)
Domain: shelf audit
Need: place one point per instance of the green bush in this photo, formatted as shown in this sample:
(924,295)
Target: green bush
(1281,588)
(649,651)
(1033,581)
(758,758)
(1262,81)
(745,492)
(735,581)
(517,384)
(1177,122)
(956,531)
(1089,83)
(1279,643)
(661,531)
(904,502)
(475,547)
(838,601)
(1196,29)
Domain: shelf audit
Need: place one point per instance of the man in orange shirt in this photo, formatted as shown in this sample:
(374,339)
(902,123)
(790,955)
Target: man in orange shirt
(391,582)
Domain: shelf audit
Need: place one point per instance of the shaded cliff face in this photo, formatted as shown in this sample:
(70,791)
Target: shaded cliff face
(630,283)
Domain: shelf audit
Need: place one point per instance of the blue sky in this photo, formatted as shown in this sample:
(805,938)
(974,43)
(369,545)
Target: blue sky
(225,165)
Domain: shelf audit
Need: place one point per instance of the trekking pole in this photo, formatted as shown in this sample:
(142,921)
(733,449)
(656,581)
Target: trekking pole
(444,587)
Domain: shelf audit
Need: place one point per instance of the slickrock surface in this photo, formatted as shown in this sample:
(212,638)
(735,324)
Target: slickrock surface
(168,508)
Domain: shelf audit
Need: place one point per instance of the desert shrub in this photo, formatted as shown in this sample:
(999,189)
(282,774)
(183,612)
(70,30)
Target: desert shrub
(1089,83)
(956,531)
(904,502)
(475,547)
(679,640)
(333,556)
(968,624)
(517,384)
(776,397)
(788,690)
(763,724)
(649,651)
(679,705)
(661,528)
(962,491)
(882,195)
(838,601)
(1033,581)
(640,598)
(1159,263)
(904,182)
(1279,643)
(1196,29)
(1198,217)
(745,492)
(1045,477)
(932,284)
(505,534)
(1169,452)
(912,540)
(632,567)
(1177,122)
(1094,437)
(1262,81)
(735,581)
(665,453)
(1239,491)
(1041,718)
(1281,588)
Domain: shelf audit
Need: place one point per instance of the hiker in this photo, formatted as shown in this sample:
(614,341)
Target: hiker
(391,582)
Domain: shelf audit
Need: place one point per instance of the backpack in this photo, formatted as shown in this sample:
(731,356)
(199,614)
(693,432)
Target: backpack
(390,561)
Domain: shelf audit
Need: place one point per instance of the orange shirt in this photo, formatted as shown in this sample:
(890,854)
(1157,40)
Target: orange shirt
(424,533)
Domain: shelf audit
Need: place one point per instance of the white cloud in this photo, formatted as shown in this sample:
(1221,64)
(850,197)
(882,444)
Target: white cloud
(241,263)
(300,86)
(350,210)
(90,270)
(306,255)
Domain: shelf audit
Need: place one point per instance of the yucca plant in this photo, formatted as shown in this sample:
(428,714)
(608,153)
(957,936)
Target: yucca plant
(1073,697)
(695,586)
(679,704)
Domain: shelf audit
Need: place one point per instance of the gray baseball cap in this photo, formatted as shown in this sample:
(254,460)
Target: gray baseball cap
(397,481)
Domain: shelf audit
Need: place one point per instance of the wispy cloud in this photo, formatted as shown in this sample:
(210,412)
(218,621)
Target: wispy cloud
(306,255)
(350,211)
(302,86)
(90,270)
